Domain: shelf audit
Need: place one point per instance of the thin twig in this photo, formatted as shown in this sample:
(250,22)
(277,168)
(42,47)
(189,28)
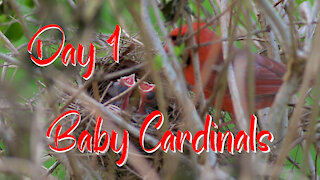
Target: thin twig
(175,81)
(232,84)
(25,28)
(311,67)
(280,27)
(196,64)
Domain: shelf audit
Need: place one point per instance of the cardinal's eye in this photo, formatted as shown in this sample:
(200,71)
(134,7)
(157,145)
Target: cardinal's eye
(177,40)
(188,61)
(174,38)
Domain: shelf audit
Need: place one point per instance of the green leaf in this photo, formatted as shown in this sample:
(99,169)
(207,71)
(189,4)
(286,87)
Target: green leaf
(29,3)
(3,20)
(158,64)
(14,32)
(2,147)
(178,50)
(300,1)
(59,172)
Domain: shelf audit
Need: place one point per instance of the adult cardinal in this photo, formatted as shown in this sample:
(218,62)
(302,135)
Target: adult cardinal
(268,73)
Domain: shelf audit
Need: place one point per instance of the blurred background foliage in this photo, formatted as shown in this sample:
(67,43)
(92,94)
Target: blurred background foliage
(81,23)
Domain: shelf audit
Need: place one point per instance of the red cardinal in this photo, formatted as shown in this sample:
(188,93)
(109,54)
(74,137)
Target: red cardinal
(268,73)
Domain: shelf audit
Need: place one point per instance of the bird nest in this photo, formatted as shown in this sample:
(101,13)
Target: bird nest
(105,89)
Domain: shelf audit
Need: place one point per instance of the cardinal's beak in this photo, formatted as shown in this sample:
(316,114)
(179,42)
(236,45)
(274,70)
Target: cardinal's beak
(166,48)
(127,82)
(147,95)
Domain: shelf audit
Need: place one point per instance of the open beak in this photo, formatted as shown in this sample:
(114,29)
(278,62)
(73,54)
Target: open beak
(147,95)
(125,83)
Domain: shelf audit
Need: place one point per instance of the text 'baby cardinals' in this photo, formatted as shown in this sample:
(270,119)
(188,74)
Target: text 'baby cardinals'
(203,140)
